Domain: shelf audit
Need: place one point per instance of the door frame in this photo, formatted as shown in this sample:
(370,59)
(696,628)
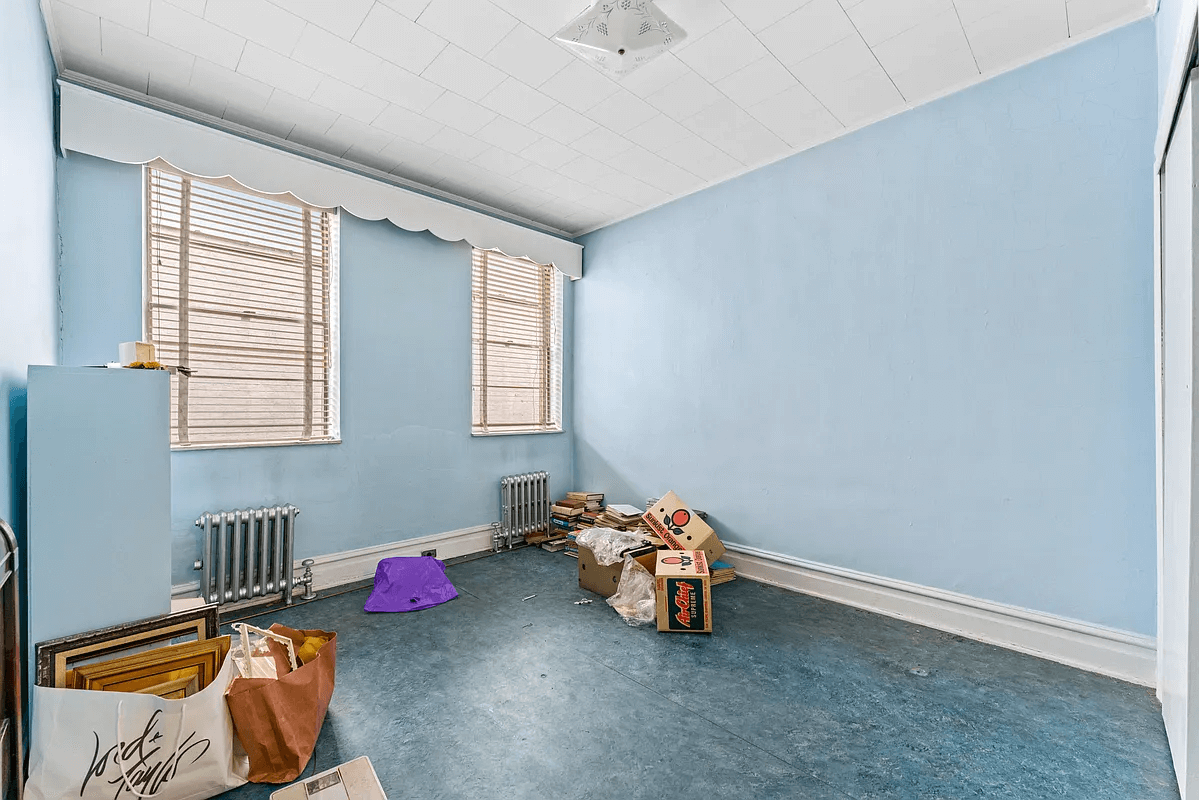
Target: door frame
(1183,60)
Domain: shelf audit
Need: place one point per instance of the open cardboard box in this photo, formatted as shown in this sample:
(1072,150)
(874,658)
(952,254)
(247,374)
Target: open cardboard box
(605,580)
(681,528)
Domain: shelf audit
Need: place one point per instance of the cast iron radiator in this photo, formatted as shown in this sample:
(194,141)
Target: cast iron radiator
(524,508)
(247,554)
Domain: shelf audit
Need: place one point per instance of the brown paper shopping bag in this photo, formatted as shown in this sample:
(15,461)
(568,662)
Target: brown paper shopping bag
(279,720)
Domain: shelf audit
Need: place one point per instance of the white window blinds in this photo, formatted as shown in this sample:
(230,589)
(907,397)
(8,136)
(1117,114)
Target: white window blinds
(241,295)
(517,344)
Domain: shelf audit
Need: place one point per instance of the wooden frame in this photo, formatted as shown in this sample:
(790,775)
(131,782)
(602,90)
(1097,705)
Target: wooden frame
(55,657)
(199,661)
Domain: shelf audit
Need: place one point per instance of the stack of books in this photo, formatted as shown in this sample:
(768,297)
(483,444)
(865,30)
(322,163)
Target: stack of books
(592,501)
(572,545)
(620,517)
(722,572)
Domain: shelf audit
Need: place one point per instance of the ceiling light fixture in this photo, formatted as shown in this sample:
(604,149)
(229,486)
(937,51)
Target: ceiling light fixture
(621,35)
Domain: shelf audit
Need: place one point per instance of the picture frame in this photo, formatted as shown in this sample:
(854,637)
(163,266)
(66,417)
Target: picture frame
(55,657)
(198,661)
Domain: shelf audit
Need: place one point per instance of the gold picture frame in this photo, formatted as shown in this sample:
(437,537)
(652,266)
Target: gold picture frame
(200,661)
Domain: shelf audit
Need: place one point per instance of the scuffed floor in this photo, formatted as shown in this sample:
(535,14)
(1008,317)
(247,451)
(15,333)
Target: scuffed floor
(490,696)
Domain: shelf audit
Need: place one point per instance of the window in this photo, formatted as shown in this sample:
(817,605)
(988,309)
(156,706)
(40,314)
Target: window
(241,295)
(516,332)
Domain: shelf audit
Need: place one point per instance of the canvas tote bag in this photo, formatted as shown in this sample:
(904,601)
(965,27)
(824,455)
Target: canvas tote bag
(279,720)
(121,746)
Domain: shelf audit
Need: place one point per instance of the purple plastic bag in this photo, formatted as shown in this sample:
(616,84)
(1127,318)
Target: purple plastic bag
(410,583)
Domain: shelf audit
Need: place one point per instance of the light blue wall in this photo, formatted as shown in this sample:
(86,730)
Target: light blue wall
(28,246)
(923,351)
(407,465)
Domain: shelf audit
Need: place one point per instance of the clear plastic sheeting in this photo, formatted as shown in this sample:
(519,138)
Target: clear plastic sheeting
(634,599)
(608,545)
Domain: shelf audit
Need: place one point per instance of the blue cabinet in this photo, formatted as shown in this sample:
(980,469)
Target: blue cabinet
(99,524)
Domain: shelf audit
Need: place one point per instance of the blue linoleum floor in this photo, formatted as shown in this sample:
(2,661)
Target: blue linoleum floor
(490,696)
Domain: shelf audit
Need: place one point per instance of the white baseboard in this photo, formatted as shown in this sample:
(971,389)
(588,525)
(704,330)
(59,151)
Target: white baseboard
(338,569)
(1119,654)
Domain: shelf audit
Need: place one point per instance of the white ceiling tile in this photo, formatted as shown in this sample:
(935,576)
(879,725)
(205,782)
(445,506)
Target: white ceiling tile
(654,76)
(345,99)
(548,153)
(402,87)
(341,18)
(622,112)
(528,56)
(317,141)
(257,120)
(257,20)
(563,125)
(656,171)
(585,169)
(761,80)
(1088,15)
(761,14)
(685,97)
(190,6)
(353,133)
(879,20)
(458,112)
(516,100)
(974,10)
(215,80)
(1015,32)
(121,45)
(658,134)
(476,28)
(459,71)
(796,117)
(734,131)
(296,110)
(832,66)
(935,75)
(457,144)
(809,30)
(544,17)
(723,51)
(132,14)
(181,93)
(631,189)
(76,29)
(578,86)
(335,56)
(408,124)
(265,65)
(411,153)
(411,9)
(867,96)
(377,160)
(507,135)
(700,157)
(398,39)
(500,161)
(697,17)
(927,41)
(174,26)
(602,144)
(540,178)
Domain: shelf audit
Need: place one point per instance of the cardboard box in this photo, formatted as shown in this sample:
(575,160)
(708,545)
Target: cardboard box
(681,528)
(604,580)
(684,591)
(131,352)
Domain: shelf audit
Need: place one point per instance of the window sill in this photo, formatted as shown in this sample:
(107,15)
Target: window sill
(187,448)
(515,433)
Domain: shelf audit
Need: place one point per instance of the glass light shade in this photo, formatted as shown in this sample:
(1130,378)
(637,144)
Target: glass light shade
(621,35)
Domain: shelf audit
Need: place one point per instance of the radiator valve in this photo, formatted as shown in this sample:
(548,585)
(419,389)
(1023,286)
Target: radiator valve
(306,580)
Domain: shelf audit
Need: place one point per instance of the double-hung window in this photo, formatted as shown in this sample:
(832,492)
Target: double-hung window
(241,296)
(517,345)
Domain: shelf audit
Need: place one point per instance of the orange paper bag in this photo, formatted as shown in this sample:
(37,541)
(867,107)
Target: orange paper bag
(278,720)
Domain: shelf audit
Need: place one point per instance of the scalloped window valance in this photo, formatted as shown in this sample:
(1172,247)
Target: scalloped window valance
(116,129)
